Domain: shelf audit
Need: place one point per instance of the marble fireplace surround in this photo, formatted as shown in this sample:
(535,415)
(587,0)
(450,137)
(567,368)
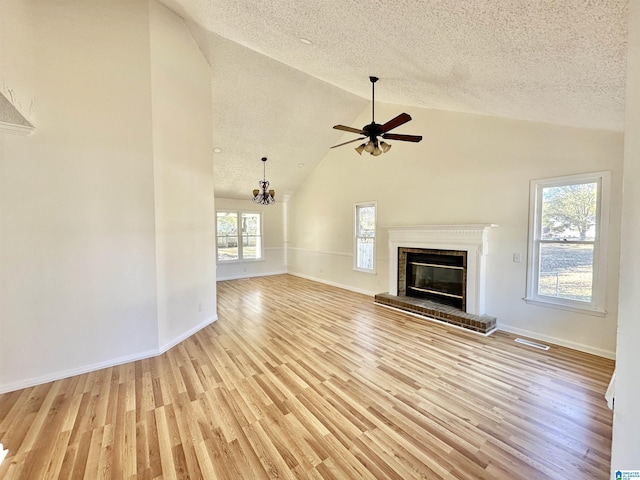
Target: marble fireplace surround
(471,238)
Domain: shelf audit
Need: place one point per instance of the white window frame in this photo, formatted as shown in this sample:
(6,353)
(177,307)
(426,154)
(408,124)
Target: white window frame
(241,258)
(597,304)
(356,208)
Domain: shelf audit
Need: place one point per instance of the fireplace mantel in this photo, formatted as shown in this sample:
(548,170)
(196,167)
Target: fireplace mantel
(472,238)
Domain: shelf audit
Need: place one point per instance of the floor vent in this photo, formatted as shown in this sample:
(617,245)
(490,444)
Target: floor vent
(532,344)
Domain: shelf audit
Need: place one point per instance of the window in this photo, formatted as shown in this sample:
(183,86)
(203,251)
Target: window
(239,236)
(567,245)
(365,237)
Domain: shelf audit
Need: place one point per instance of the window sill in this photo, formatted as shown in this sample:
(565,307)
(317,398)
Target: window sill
(562,306)
(363,270)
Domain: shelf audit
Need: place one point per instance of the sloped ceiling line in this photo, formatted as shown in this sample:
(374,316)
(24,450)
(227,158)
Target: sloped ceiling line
(11,120)
(548,61)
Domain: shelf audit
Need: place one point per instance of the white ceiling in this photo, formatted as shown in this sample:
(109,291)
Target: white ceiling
(555,61)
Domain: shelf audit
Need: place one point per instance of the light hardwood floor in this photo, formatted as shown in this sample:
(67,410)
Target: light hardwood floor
(302,380)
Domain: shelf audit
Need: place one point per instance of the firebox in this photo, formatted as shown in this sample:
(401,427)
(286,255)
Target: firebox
(436,275)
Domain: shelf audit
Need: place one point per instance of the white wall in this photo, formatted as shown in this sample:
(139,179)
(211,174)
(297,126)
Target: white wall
(77,208)
(182,154)
(625,453)
(274,238)
(467,169)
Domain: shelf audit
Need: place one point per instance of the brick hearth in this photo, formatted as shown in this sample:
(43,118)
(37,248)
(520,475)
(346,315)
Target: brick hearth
(483,324)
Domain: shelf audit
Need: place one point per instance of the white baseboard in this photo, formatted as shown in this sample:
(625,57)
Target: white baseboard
(185,335)
(558,341)
(333,284)
(250,275)
(52,377)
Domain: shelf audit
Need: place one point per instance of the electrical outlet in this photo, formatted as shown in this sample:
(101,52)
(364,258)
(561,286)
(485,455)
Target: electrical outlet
(199,307)
(517,257)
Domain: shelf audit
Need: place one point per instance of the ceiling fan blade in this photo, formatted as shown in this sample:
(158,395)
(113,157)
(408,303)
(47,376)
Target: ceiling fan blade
(404,138)
(350,141)
(349,129)
(395,122)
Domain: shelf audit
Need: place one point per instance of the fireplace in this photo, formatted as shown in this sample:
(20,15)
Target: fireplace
(438,271)
(436,275)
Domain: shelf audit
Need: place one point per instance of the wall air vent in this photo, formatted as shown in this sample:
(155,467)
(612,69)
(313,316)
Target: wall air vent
(532,344)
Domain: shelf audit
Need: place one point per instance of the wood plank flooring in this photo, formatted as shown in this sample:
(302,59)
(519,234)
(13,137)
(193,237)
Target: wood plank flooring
(301,380)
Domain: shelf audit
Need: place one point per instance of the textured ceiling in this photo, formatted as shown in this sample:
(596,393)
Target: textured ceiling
(555,61)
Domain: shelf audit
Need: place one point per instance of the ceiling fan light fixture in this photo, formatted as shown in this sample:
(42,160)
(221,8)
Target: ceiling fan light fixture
(384,146)
(360,148)
(369,147)
(376,152)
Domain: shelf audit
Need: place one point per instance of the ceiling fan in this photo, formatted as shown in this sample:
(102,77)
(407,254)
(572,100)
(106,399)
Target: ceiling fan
(375,130)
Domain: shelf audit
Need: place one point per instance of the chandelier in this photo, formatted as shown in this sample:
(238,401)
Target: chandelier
(263,195)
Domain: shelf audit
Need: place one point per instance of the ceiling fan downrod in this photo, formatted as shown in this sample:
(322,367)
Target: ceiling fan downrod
(373,98)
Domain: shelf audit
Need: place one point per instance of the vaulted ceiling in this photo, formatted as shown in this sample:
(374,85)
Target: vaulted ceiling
(555,61)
